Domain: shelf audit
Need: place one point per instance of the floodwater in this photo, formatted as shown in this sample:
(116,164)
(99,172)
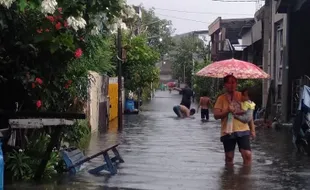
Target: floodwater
(162,152)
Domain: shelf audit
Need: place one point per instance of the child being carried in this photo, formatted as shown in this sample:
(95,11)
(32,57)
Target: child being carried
(247,106)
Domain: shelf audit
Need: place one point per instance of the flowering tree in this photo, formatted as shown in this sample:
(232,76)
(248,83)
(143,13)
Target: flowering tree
(40,42)
(47,48)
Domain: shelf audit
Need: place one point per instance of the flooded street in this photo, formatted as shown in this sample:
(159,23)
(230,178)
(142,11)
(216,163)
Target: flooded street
(163,152)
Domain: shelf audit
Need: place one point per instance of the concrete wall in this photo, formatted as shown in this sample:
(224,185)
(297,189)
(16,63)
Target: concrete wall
(257,31)
(274,45)
(267,20)
(247,38)
(97,99)
(253,35)
(276,60)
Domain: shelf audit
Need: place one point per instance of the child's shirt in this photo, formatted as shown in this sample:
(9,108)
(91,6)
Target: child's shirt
(247,105)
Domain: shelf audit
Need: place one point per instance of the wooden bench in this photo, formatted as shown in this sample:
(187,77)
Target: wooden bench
(74,158)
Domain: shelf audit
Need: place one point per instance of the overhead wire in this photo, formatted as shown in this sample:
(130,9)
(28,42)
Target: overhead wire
(183,18)
(237,1)
(197,12)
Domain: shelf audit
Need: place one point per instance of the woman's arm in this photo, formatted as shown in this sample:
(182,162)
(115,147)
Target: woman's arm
(218,111)
(246,117)
(220,114)
(252,126)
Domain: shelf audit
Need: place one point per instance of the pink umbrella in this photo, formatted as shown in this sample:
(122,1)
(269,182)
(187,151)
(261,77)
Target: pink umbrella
(171,84)
(240,69)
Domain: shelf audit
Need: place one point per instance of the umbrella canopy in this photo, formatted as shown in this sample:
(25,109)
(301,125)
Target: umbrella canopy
(171,84)
(240,69)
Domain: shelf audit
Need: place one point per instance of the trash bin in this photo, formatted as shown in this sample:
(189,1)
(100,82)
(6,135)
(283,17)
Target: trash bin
(130,105)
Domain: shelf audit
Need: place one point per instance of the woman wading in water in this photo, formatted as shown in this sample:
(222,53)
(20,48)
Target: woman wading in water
(226,105)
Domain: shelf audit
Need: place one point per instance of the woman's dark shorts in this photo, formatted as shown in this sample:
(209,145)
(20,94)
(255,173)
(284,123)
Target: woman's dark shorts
(243,143)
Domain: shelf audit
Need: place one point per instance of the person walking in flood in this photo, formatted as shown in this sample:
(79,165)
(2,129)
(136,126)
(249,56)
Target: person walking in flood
(204,104)
(226,105)
(187,94)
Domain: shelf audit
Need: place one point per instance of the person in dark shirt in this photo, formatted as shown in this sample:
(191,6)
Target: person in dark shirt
(187,93)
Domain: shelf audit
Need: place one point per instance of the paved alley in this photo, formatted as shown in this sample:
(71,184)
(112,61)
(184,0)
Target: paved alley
(163,152)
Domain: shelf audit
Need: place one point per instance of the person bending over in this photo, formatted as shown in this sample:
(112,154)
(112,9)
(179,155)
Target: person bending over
(183,112)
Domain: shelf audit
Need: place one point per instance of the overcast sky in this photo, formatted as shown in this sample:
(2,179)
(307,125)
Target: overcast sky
(202,12)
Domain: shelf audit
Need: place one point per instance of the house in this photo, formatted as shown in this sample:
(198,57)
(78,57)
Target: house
(264,45)
(284,40)
(294,51)
(285,54)
(251,38)
(274,51)
(225,40)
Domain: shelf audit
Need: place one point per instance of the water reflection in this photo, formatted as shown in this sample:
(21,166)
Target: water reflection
(113,126)
(233,178)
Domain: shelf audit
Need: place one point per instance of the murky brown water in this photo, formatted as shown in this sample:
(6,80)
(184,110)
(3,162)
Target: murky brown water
(162,152)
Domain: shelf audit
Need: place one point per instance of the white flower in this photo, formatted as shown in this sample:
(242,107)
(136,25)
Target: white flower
(76,23)
(113,28)
(7,3)
(48,6)
(131,12)
(118,23)
(123,26)
(94,31)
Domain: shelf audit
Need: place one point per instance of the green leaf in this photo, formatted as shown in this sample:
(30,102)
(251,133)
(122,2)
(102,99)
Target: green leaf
(22,4)
(54,47)
(46,36)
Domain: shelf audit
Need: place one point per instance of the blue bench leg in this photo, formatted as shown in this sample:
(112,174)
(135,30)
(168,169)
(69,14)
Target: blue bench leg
(95,171)
(117,155)
(110,167)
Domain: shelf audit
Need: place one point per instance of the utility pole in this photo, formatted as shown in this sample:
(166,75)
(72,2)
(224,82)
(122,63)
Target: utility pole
(120,85)
(193,59)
